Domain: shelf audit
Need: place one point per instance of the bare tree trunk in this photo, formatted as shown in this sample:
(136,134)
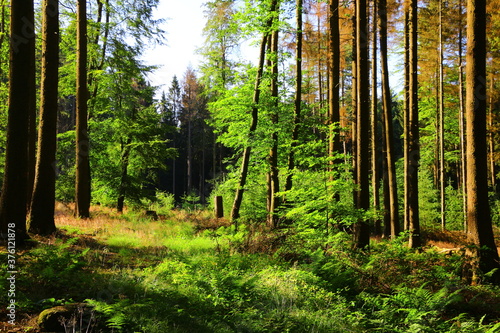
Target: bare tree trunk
(13,201)
(41,220)
(235,211)
(82,190)
(413,154)
(362,229)
(461,119)
(274,200)
(387,119)
(122,189)
(406,120)
(480,231)
(442,187)
(298,99)
(374,125)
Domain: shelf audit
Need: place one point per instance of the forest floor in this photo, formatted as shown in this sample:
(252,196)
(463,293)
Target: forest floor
(190,272)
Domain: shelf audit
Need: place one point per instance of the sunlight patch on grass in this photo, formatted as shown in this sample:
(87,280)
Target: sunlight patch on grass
(190,246)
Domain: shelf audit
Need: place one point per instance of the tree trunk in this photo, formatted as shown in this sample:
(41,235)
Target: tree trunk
(334,80)
(480,231)
(388,128)
(41,219)
(461,119)
(413,153)
(235,210)
(13,201)
(406,117)
(362,229)
(82,184)
(122,190)
(298,99)
(374,126)
(442,187)
(272,218)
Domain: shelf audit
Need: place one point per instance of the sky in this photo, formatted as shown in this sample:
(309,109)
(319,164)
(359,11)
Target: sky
(184,22)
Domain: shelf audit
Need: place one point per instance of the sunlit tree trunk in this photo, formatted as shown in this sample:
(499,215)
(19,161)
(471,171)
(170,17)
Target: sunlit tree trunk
(41,220)
(362,229)
(298,98)
(273,198)
(374,125)
(235,210)
(480,231)
(13,201)
(82,188)
(388,128)
(461,119)
(440,133)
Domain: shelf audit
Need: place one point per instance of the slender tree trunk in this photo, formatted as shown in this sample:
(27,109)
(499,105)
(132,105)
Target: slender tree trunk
(41,219)
(235,211)
(413,154)
(32,139)
(82,185)
(122,190)
(442,187)
(491,141)
(298,99)
(374,126)
(388,128)
(362,229)
(461,119)
(13,201)
(406,120)
(334,80)
(189,159)
(273,199)
(480,231)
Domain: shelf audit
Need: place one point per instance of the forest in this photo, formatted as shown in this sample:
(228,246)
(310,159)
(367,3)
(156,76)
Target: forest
(343,178)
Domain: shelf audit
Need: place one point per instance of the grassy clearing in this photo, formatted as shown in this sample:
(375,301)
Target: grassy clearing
(186,274)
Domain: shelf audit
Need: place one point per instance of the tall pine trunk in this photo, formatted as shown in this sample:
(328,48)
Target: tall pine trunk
(362,195)
(298,99)
(388,127)
(480,231)
(13,201)
(41,219)
(442,188)
(82,184)
(413,153)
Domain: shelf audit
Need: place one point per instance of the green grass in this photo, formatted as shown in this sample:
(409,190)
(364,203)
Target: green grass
(167,276)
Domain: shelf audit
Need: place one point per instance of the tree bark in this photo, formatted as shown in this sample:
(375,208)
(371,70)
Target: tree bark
(388,128)
(442,184)
(298,99)
(41,220)
(362,229)
(480,231)
(374,126)
(82,184)
(413,153)
(274,200)
(235,210)
(13,201)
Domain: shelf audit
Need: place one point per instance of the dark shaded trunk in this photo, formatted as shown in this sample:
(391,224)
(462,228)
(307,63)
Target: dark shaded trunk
(82,184)
(41,219)
(362,195)
(13,201)
(480,231)
(413,153)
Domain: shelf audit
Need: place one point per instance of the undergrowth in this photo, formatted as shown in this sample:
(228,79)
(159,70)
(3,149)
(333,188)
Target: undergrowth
(178,275)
